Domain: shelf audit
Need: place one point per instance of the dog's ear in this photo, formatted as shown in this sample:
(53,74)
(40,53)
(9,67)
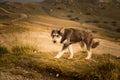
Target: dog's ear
(52,31)
(61,30)
(51,28)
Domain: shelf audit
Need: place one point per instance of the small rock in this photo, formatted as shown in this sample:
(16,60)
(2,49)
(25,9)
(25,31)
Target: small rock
(50,73)
(57,75)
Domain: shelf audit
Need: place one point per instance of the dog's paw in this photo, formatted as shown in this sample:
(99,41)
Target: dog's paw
(70,57)
(56,57)
(87,58)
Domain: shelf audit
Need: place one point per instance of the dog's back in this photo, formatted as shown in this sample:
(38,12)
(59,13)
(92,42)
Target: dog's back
(77,35)
(80,35)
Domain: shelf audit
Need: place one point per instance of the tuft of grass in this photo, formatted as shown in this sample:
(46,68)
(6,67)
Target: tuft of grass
(69,16)
(25,49)
(118,30)
(59,8)
(94,31)
(114,23)
(103,7)
(88,21)
(88,13)
(19,53)
(92,21)
(3,50)
(74,18)
(6,59)
(105,22)
(71,11)
(96,21)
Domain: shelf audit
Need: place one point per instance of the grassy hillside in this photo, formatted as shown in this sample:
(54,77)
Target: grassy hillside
(27,52)
(101,19)
(19,64)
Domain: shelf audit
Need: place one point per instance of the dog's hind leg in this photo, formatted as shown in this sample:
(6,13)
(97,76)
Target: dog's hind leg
(62,51)
(82,46)
(71,52)
(89,52)
(88,46)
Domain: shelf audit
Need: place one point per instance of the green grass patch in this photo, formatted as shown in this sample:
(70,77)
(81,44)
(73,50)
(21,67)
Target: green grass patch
(18,53)
(3,50)
(24,49)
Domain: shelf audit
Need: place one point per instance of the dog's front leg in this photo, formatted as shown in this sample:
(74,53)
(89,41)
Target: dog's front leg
(89,54)
(71,52)
(59,54)
(62,51)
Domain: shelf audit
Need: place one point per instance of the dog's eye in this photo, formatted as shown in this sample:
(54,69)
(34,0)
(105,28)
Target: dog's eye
(57,36)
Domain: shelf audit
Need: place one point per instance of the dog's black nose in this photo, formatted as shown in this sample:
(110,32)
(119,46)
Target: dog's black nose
(54,41)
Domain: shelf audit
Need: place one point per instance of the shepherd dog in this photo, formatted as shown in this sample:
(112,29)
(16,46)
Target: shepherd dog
(69,36)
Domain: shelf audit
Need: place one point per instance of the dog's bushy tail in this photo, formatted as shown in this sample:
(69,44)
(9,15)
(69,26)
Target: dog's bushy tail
(95,44)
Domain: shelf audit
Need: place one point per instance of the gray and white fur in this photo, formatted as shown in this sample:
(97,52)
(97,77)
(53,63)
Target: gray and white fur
(69,36)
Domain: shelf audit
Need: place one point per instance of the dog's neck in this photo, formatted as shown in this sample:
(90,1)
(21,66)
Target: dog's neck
(61,32)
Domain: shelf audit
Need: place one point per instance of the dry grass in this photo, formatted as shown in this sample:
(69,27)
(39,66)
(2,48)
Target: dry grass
(100,67)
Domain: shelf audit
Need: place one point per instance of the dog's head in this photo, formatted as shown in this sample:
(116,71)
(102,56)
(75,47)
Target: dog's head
(56,35)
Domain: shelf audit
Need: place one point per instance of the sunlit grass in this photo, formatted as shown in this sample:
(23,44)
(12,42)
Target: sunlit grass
(24,49)
(100,67)
(12,28)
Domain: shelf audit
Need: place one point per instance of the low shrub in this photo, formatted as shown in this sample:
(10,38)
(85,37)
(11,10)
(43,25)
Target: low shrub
(88,21)
(105,22)
(71,11)
(114,22)
(88,13)
(24,49)
(94,31)
(3,50)
(69,15)
(96,21)
(118,30)
(59,8)
(74,18)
